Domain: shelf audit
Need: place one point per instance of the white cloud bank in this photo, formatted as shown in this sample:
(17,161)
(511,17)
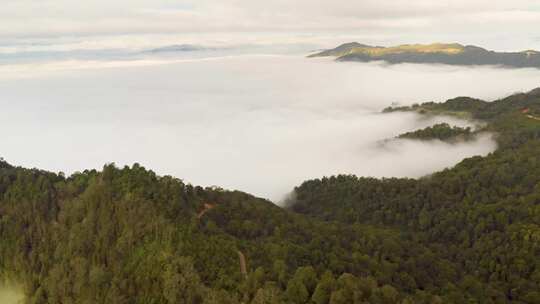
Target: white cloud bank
(261,124)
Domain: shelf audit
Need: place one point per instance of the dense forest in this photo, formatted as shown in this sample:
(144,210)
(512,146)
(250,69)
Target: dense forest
(442,131)
(468,234)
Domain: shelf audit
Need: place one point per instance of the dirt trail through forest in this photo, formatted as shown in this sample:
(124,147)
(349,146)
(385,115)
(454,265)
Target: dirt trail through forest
(207,207)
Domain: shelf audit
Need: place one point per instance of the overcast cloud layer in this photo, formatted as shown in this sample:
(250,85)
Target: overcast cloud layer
(498,24)
(261,124)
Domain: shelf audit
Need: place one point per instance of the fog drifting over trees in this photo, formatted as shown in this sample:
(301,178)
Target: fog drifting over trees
(262,124)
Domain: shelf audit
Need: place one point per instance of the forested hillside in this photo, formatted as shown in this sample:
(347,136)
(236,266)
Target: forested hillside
(482,216)
(436,53)
(469,234)
(442,131)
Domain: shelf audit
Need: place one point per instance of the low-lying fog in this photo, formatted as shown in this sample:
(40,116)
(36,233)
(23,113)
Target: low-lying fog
(10,294)
(261,124)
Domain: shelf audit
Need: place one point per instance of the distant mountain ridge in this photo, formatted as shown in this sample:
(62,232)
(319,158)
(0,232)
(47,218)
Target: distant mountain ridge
(180,48)
(443,53)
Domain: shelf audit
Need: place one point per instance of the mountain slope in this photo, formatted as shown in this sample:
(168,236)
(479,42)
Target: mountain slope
(483,214)
(129,236)
(451,54)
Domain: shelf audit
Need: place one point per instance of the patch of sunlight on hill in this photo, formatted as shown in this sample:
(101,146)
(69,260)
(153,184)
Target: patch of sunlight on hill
(10,295)
(443,48)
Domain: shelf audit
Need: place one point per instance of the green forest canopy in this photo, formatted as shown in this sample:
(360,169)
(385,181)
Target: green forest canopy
(442,131)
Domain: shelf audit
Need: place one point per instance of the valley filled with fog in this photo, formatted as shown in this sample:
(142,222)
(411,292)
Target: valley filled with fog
(256,123)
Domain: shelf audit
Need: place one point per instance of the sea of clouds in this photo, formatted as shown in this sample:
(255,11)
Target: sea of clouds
(257,123)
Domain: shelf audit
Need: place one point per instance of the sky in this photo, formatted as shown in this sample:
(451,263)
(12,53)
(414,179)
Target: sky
(496,24)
